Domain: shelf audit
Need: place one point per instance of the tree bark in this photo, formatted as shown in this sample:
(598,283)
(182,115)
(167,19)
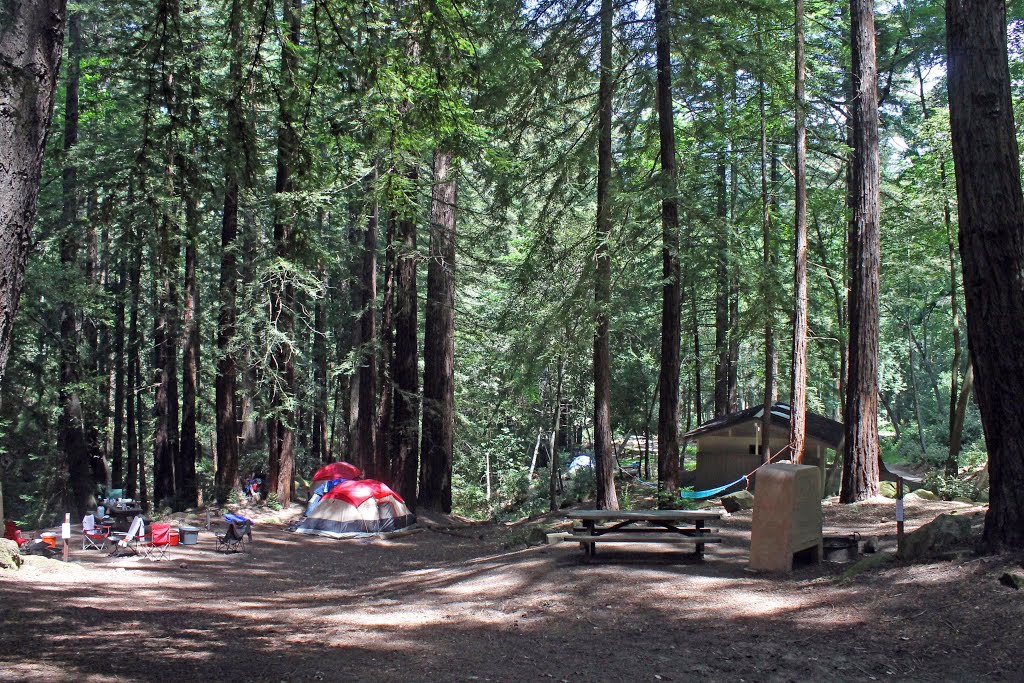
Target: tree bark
(991,211)
(767,282)
(117,438)
(372,449)
(860,458)
(604,452)
(385,373)
(698,397)
(405,416)
(31,40)
(439,337)
(165,365)
(671,293)
(798,383)
(320,447)
(554,469)
(285,218)
(722,288)
(74,445)
(186,483)
(235,170)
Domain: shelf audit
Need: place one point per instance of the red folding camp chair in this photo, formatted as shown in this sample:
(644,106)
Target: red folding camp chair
(12,533)
(93,535)
(158,543)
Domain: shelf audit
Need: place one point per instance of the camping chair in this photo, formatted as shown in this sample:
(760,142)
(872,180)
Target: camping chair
(233,540)
(158,543)
(11,532)
(135,533)
(94,536)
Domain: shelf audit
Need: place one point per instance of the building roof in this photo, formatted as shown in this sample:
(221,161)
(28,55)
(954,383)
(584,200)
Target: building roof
(818,426)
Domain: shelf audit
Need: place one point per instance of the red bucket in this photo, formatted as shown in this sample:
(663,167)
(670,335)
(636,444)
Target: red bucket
(174,537)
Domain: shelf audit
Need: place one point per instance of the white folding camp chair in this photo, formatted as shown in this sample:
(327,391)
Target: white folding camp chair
(93,536)
(134,536)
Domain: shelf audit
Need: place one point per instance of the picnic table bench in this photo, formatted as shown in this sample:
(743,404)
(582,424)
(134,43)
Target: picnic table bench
(641,526)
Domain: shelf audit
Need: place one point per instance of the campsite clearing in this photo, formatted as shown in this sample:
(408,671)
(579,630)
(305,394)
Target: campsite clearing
(473,603)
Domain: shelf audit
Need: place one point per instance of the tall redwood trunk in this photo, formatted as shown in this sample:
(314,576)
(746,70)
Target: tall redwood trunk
(991,211)
(405,416)
(798,384)
(384,430)
(722,289)
(860,459)
(671,293)
(73,441)
(225,383)
(31,40)
(604,451)
(368,442)
(320,446)
(439,345)
(133,370)
(165,365)
(767,283)
(283,305)
(186,482)
(698,396)
(117,437)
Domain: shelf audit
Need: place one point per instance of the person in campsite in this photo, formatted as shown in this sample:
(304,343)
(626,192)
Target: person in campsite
(254,485)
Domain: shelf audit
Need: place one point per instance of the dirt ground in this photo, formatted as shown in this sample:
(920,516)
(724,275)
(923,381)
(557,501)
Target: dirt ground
(475,604)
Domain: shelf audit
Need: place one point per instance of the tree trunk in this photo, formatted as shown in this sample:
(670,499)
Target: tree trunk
(186,483)
(554,469)
(117,437)
(671,293)
(31,40)
(604,452)
(767,282)
(991,211)
(320,447)
(235,169)
(698,397)
(405,416)
(860,460)
(285,217)
(165,365)
(956,428)
(372,448)
(134,373)
(798,384)
(74,444)
(722,289)
(385,403)
(439,339)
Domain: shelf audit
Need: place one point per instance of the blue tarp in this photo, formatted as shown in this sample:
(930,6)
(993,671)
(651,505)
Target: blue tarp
(319,493)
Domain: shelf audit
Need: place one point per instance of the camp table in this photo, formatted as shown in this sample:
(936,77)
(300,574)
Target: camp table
(642,526)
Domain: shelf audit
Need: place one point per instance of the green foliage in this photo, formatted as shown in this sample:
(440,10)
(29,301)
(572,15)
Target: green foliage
(948,487)
(510,87)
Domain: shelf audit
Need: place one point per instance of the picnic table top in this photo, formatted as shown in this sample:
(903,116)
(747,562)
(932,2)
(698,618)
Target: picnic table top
(644,515)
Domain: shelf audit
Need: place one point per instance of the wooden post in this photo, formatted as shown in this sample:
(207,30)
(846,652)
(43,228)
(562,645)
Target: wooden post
(65,534)
(899,516)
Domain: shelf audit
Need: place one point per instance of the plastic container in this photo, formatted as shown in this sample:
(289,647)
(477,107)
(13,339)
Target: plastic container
(50,539)
(189,535)
(174,537)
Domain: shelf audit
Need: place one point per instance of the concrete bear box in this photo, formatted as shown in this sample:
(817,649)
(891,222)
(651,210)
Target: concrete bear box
(787,516)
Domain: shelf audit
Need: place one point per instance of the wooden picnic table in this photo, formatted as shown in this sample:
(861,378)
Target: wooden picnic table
(642,526)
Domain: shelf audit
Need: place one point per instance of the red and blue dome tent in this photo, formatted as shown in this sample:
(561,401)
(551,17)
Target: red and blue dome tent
(347,508)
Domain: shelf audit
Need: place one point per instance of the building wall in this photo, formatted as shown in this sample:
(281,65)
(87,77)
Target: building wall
(725,456)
